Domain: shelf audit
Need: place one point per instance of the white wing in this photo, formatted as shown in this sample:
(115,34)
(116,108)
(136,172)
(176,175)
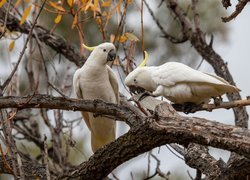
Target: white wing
(76,84)
(172,73)
(114,83)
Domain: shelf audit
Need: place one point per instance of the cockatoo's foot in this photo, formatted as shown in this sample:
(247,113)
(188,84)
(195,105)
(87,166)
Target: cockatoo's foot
(187,107)
(217,100)
(145,94)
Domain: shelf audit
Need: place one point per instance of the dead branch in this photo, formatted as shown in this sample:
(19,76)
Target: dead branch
(210,107)
(239,7)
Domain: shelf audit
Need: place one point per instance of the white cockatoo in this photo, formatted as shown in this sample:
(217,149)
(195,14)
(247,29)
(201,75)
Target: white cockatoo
(96,80)
(179,83)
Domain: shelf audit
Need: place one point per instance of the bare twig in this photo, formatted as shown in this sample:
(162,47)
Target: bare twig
(142,30)
(178,149)
(46,159)
(210,107)
(6,83)
(239,7)
(5,20)
(163,31)
(6,164)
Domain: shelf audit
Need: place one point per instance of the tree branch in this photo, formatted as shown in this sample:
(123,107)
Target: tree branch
(239,7)
(123,112)
(31,169)
(165,126)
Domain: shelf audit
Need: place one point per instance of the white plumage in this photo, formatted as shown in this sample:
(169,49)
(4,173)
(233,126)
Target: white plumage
(179,83)
(96,80)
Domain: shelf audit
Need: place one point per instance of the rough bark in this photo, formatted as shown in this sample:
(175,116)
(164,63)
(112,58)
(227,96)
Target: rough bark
(163,127)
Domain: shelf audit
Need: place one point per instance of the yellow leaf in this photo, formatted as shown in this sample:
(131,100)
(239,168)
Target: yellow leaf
(25,14)
(131,37)
(70,2)
(112,38)
(119,6)
(11,46)
(2,2)
(116,62)
(130,1)
(104,13)
(58,18)
(88,5)
(74,22)
(96,6)
(17,3)
(106,3)
(54,5)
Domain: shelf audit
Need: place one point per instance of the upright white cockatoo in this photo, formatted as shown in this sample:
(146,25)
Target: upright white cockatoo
(96,80)
(179,83)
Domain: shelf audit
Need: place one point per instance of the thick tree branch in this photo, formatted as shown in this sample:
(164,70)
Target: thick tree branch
(210,107)
(56,42)
(198,157)
(122,112)
(157,131)
(165,126)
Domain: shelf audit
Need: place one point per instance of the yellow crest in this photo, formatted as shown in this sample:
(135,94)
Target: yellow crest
(144,62)
(88,48)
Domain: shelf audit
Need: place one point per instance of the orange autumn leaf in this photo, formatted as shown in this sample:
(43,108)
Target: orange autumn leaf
(74,22)
(96,7)
(121,38)
(119,6)
(104,13)
(2,2)
(25,14)
(131,37)
(88,5)
(130,1)
(70,2)
(116,62)
(112,38)
(106,3)
(57,7)
(58,18)
(11,45)
(16,4)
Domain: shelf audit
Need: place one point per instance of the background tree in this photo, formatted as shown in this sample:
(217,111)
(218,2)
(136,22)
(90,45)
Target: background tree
(41,48)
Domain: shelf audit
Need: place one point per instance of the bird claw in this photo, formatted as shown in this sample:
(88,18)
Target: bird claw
(186,107)
(217,100)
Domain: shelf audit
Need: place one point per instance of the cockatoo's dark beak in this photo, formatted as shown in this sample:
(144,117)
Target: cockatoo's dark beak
(136,90)
(111,55)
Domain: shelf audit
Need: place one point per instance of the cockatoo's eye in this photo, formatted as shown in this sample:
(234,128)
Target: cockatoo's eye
(104,50)
(135,81)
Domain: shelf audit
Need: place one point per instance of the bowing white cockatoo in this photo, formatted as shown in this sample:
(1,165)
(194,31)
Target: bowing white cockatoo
(179,83)
(96,80)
